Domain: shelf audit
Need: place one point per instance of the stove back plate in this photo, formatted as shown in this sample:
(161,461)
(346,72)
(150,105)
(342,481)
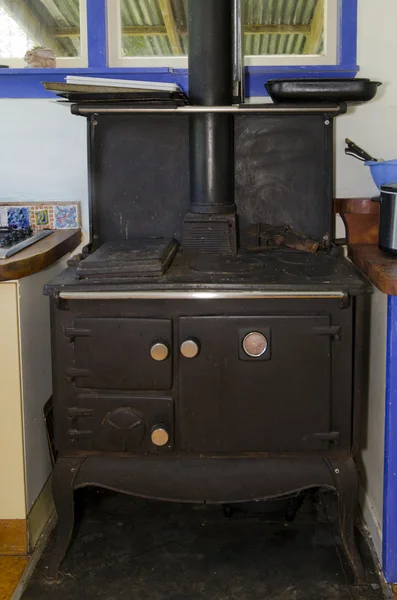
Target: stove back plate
(139,174)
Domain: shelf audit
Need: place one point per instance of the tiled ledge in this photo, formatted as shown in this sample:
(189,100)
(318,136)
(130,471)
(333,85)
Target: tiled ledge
(40,215)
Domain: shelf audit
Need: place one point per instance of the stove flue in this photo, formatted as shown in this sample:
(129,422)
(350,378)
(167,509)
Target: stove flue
(210,226)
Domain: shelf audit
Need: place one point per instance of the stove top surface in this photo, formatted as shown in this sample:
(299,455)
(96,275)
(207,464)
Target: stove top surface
(285,270)
(13,240)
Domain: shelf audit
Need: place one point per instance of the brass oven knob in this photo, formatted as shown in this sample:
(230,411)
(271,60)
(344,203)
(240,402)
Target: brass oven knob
(255,344)
(160,436)
(159,351)
(190,349)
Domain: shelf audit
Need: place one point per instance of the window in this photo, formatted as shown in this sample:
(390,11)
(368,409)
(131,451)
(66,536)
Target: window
(57,26)
(148,39)
(276,32)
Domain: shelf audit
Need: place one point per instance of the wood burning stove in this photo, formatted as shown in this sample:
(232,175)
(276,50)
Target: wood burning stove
(193,361)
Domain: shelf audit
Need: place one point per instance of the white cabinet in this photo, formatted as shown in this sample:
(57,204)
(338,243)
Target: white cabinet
(25,386)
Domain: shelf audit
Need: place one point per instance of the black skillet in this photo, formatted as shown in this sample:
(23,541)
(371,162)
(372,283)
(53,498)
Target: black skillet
(322,90)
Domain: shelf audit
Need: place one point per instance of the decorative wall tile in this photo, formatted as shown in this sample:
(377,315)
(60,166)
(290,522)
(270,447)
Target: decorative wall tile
(18,216)
(3,216)
(66,217)
(42,218)
(38,215)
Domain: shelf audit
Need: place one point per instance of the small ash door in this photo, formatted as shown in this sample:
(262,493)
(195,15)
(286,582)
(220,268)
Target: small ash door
(255,384)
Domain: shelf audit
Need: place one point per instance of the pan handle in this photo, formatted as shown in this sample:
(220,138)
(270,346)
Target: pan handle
(352,153)
(359,151)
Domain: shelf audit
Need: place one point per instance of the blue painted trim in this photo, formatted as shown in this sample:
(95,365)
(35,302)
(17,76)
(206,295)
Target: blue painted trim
(97,34)
(390,473)
(26,83)
(348,24)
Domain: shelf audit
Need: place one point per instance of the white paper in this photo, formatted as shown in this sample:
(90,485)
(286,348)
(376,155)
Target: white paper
(125,83)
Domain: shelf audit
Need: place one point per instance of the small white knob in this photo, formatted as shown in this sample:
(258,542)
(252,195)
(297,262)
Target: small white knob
(190,349)
(160,436)
(159,352)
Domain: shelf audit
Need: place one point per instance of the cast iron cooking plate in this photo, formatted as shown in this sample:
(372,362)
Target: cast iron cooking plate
(225,264)
(322,90)
(145,258)
(316,267)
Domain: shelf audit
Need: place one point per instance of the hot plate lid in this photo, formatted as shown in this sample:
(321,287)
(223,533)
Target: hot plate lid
(137,257)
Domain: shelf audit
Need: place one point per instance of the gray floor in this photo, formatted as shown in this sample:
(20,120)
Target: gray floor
(126,548)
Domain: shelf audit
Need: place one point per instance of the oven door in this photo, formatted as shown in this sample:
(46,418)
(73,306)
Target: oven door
(269,392)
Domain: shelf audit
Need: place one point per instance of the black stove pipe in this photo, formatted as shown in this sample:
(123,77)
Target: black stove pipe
(211,84)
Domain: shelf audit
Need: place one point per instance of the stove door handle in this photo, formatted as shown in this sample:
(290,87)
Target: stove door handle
(190,348)
(159,351)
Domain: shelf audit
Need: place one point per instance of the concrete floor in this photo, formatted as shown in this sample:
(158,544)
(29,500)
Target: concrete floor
(126,548)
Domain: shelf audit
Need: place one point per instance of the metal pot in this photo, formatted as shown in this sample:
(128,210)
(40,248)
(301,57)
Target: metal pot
(388,217)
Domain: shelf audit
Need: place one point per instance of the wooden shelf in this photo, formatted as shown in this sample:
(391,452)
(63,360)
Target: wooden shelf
(361,217)
(380,267)
(40,255)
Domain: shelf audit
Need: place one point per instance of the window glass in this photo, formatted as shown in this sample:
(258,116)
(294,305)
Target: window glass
(154,27)
(286,27)
(271,27)
(35,33)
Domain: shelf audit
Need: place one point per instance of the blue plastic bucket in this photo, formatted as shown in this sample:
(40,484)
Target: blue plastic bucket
(383,172)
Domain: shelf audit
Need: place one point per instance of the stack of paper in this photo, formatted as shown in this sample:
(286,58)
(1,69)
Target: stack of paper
(123,83)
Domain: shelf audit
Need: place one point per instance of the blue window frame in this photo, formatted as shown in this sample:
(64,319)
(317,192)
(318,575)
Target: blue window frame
(26,83)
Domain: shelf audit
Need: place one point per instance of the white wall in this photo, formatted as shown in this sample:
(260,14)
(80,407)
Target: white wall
(373,425)
(374,125)
(43,154)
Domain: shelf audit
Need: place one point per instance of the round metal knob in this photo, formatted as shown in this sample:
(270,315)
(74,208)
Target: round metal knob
(160,436)
(255,344)
(159,351)
(190,349)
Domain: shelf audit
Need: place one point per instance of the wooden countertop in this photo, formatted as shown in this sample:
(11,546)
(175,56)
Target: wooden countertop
(40,255)
(380,267)
(361,217)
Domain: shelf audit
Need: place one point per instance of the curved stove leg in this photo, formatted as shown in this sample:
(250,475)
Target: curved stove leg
(63,477)
(345,477)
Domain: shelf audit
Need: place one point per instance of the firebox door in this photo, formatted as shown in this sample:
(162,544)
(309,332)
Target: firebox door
(255,384)
(122,353)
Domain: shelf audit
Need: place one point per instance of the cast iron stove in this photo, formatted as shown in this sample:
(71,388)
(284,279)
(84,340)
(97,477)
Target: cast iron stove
(189,365)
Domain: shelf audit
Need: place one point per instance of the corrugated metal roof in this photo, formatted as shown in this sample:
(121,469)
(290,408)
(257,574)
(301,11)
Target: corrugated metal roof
(137,13)
(64,14)
(276,12)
